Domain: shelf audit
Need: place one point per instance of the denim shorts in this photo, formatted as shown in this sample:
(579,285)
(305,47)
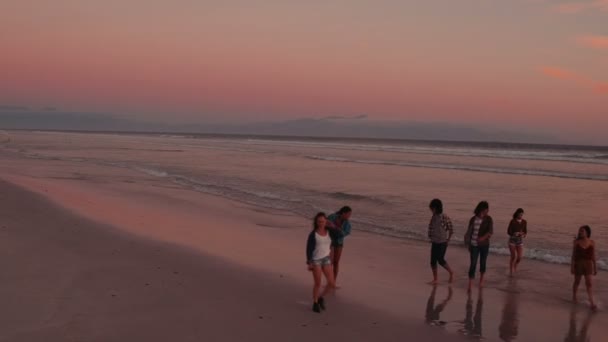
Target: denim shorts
(322,262)
(516,241)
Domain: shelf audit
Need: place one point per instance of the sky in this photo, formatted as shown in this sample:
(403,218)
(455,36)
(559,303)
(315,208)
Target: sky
(530,65)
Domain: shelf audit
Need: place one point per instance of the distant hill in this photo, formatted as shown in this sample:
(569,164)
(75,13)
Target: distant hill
(339,127)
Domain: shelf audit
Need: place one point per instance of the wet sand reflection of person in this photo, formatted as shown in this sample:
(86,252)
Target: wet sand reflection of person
(509,325)
(472,322)
(433,312)
(575,336)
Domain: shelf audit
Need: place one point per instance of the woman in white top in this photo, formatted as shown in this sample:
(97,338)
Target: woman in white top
(318,248)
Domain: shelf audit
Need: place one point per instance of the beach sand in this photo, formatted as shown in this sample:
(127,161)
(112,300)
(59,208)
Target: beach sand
(66,278)
(105,254)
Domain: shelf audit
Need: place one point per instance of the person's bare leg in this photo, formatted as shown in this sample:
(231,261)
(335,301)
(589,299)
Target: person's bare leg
(589,286)
(316,274)
(329,276)
(337,254)
(512,260)
(481,280)
(520,253)
(434,281)
(577,281)
(470,287)
(449,269)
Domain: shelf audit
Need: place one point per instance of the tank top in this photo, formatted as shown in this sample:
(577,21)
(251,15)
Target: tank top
(583,253)
(322,246)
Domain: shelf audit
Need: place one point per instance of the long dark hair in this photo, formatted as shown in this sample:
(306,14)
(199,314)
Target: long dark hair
(587,229)
(436,205)
(483,205)
(314,220)
(517,212)
(344,210)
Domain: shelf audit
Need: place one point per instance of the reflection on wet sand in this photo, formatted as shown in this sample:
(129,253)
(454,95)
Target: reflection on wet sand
(573,334)
(472,321)
(432,316)
(509,325)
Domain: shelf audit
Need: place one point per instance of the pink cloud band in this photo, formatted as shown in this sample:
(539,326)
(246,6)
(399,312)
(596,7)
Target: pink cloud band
(581,80)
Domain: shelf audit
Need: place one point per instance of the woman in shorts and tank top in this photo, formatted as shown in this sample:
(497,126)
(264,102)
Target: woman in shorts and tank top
(318,249)
(583,263)
(517,231)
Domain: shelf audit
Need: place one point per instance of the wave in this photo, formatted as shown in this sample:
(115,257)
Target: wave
(235,191)
(151,172)
(549,256)
(591,156)
(474,168)
(354,197)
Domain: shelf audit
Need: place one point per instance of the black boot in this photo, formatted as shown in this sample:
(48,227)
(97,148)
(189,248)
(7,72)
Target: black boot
(322,303)
(316,307)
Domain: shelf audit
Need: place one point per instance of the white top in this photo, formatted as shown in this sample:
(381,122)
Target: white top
(475,235)
(322,246)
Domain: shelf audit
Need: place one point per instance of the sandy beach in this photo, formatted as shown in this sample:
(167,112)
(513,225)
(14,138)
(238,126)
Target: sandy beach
(94,253)
(66,278)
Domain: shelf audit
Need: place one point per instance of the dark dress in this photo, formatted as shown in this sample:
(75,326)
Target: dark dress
(583,260)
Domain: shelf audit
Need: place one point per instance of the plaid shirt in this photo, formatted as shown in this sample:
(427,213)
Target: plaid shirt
(445,230)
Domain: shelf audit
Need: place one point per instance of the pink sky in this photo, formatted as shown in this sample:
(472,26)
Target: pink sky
(534,63)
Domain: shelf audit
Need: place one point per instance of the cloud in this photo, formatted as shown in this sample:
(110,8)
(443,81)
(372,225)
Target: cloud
(595,42)
(602,88)
(581,80)
(582,6)
(559,73)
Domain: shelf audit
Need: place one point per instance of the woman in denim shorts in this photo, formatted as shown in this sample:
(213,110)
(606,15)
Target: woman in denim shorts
(318,249)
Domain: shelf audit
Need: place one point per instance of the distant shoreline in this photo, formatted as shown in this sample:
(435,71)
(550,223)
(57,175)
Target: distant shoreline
(458,143)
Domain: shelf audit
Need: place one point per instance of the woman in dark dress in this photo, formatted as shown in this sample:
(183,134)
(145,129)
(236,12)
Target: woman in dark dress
(583,263)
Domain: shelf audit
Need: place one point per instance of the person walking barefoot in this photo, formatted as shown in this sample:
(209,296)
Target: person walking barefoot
(339,224)
(440,232)
(318,259)
(583,263)
(477,239)
(517,231)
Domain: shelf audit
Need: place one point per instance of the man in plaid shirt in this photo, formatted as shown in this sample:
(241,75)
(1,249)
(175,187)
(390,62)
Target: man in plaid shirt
(440,233)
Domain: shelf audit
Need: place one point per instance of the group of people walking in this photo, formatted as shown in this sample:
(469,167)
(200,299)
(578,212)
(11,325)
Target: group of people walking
(326,242)
(477,239)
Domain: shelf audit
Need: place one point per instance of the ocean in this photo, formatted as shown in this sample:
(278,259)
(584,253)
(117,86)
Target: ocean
(388,183)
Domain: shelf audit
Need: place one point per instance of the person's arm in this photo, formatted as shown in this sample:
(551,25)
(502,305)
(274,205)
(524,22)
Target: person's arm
(430,230)
(491,231)
(488,235)
(594,259)
(449,227)
(572,258)
(510,228)
(346,228)
(310,247)
(525,228)
(467,235)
